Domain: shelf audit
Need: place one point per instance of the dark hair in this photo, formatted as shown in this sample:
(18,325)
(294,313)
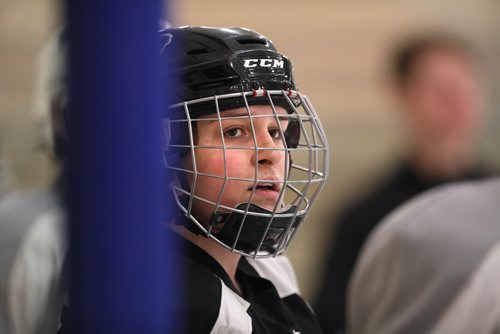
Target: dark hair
(406,55)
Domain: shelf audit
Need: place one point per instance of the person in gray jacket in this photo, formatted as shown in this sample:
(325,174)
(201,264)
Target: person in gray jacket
(477,308)
(421,257)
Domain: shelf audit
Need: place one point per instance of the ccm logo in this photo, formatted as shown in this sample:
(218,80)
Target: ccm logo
(263,63)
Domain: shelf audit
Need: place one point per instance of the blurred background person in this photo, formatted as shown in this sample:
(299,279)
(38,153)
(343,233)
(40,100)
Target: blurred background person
(418,260)
(442,103)
(32,229)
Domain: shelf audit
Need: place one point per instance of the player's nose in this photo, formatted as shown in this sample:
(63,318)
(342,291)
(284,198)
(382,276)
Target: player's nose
(269,149)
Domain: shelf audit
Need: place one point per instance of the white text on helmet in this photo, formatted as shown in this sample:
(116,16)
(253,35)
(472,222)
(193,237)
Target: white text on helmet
(263,63)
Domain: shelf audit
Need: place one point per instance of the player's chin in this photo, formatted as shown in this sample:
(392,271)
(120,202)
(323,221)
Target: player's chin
(267,204)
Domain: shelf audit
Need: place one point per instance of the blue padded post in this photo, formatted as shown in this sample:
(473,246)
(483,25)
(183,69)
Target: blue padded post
(120,257)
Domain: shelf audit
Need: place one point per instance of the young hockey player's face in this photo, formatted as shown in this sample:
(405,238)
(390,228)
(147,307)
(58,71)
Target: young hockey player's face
(251,153)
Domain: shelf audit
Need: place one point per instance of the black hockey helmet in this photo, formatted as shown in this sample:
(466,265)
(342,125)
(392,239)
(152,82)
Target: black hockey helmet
(217,61)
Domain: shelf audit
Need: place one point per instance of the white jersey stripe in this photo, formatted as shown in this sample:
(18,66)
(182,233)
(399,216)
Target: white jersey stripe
(233,316)
(278,270)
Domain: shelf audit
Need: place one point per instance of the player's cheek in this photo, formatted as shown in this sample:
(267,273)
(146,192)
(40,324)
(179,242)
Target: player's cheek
(210,161)
(238,166)
(240,161)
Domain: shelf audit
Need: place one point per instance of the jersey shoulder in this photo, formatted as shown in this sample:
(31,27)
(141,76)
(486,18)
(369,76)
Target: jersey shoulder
(279,271)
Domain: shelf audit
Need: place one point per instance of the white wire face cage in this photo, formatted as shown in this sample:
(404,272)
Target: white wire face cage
(251,199)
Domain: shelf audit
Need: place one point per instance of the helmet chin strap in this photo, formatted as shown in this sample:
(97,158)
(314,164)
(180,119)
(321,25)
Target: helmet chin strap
(254,227)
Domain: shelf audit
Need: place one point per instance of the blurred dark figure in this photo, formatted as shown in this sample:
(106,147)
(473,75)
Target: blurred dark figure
(437,84)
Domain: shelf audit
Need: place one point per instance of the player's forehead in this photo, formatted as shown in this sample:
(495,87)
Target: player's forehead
(254,110)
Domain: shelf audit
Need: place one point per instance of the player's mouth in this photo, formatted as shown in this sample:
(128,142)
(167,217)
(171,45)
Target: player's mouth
(267,189)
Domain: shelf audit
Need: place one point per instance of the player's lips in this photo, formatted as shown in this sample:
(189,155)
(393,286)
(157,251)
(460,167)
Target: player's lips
(268,187)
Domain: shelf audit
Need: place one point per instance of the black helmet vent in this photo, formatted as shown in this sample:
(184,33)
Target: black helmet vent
(252,41)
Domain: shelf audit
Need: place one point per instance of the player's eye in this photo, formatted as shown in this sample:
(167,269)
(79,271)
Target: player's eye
(233,132)
(275,133)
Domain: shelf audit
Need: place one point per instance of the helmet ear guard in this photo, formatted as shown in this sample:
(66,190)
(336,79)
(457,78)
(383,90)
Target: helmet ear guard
(221,74)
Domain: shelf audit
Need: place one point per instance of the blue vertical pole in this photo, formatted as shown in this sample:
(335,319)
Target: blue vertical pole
(118,253)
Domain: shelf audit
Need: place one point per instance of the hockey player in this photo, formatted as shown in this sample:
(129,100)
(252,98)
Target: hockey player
(247,157)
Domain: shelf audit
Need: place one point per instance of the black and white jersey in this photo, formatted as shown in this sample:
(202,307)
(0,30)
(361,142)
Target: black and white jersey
(270,301)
